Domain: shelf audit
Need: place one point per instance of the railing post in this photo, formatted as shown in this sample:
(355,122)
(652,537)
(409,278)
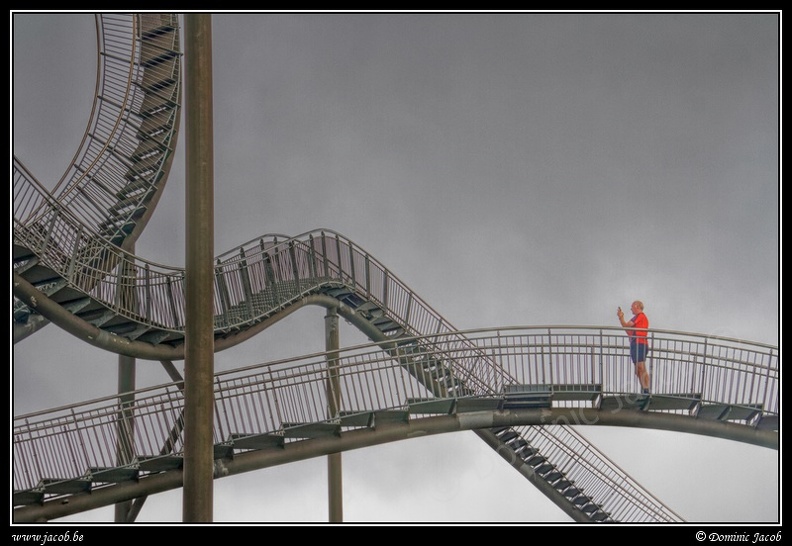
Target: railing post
(295,269)
(269,277)
(340,266)
(48,234)
(352,263)
(326,267)
(74,254)
(650,362)
(312,259)
(703,367)
(244,277)
(367,268)
(385,284)
(222,288)
(147,285)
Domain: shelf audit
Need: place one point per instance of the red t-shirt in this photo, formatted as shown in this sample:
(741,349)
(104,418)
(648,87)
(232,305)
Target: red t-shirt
(639,321)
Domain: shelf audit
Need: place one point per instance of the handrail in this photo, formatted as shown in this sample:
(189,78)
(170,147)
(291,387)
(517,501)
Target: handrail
(297,266)
(482,340)
(72,234)
(103,164)
(121,164)
(274,397)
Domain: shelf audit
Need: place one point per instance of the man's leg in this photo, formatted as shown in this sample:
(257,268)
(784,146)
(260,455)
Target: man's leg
(643,376)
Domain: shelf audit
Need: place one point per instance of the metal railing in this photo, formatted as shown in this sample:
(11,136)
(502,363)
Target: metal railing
(592,472)
(123,156)
(269,398)
(257,279)
(106,163)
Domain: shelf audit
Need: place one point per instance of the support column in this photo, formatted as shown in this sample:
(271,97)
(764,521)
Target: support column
(199,278)
(334,482)
(126,385)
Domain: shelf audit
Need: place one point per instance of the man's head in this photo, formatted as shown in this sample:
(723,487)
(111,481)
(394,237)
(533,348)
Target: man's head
(637,306)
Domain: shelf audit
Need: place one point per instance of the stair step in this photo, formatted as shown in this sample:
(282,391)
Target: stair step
(114,475)
(27,498)
(508,435)
(311,430)
(553,476)
(163,86)
(768,422)
(369,308)
(39,276)
(223,451)
(256,441)
(581,500)
(477,404)
(527,451)
(20,253)
(65,487)
(430,405)
(356,419)
(26,260)
(125,329)
(728,412)
(148,148)
(140,330)
(536,460)
(97,317)
(160,463)
(685,401)
(155,337)
(562,484)
(526,396)
(390,416)
(576,391)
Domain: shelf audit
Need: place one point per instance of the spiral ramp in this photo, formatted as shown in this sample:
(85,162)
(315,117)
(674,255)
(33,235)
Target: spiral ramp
(118,173)
(70,267)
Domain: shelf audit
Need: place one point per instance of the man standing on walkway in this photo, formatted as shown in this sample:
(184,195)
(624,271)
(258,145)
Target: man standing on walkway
(639,347)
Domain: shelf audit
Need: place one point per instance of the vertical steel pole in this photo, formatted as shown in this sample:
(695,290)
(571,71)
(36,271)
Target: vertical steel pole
(334,485)
(126,384)
(199,279)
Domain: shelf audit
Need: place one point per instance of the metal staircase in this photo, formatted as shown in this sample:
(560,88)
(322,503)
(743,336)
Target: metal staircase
(70,267)
(265,279)
(120,169)
(282,409)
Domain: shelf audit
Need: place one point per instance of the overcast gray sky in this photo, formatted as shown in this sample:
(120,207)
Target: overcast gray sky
(512,169)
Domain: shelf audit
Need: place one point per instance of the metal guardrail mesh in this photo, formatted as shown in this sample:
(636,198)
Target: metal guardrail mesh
(65,442)
(74,231)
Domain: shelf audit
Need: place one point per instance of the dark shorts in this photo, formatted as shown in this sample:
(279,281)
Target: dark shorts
(638,352)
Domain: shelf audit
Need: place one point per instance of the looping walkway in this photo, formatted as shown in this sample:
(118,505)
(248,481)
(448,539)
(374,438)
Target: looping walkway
(518,388)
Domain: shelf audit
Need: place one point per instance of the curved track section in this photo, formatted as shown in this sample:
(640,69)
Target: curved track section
(70,267)
(120,168)
(122,447)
